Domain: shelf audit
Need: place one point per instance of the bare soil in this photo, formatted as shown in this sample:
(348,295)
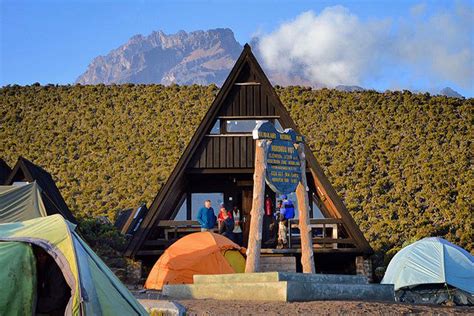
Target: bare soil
(215,307)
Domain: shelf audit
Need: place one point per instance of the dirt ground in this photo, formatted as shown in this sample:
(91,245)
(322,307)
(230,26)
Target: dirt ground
(214,307)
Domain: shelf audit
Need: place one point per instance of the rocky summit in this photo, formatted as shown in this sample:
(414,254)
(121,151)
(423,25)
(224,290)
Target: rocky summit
(200,57)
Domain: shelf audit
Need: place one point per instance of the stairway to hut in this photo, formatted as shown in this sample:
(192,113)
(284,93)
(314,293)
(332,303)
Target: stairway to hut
(281,286)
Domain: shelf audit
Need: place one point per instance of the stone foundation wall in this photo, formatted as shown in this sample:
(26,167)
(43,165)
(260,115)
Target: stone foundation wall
(364,267)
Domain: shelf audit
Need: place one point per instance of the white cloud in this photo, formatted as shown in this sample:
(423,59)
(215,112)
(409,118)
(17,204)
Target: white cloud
(336,47)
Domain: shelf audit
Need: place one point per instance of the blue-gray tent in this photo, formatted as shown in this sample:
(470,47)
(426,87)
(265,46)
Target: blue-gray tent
(432,270)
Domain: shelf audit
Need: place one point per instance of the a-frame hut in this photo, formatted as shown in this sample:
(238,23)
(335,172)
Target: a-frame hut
(218,164)
(26,171)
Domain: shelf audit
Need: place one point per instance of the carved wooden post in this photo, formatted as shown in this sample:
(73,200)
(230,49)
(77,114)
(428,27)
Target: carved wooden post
(307,257)
(255,234)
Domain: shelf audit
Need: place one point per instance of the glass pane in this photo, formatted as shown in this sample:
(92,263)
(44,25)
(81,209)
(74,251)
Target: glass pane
(197,201)
(278,126)
(316,211)
(181,216)
(241,126)
(216,129)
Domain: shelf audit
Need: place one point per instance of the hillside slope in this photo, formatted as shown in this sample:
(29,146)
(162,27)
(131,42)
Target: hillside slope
(401,161)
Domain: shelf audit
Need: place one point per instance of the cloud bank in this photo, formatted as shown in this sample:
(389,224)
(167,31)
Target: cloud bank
(337,47)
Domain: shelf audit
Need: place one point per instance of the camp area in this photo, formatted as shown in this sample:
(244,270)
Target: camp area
(247,219)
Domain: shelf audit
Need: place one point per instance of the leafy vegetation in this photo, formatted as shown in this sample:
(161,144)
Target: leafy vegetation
(401,161)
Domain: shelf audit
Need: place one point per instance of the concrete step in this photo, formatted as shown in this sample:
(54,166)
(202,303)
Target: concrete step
(277,264)
(280,276)
(285,291)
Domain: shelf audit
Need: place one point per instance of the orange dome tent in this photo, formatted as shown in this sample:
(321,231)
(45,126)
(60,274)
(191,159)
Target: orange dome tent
(198,253)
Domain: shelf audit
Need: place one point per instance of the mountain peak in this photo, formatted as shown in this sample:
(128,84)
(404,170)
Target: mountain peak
(201,57)
(450,93)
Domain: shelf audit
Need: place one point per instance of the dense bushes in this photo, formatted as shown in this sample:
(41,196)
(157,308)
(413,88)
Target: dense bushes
(401,161)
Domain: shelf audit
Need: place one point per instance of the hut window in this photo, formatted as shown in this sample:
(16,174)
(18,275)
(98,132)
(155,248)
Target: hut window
(182,212)
(216,129)
(241,126)
(197,201)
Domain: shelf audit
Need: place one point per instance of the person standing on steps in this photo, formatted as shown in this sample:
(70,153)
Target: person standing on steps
(287,211)
(238,220)
(206,217)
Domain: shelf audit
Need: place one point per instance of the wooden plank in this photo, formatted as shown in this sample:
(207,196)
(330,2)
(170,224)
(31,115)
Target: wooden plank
(171,223)
(243,149)
(209,153)
(216,154)
(223,153)
(249,95)
(250,152)
(242,98)
(257,103)
(235,101)
(328,240)
(230,152)
(315,250)
(320,221)
(236,152)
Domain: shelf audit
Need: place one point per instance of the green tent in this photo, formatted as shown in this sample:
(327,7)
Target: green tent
(21,203)
(95,290)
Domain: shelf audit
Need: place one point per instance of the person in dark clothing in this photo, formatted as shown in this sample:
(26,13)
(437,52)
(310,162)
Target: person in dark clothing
(226,228)
(268,239)
(238,220)
(53,293)
(206,217)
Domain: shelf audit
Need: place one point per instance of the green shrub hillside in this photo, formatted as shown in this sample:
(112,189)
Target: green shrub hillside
(401,161)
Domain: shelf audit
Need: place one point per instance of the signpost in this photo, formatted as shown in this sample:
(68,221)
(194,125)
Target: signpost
(280,161)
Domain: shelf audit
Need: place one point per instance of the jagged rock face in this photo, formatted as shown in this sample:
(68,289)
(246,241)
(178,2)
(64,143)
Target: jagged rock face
(349,88)
(450,93)
(200,57)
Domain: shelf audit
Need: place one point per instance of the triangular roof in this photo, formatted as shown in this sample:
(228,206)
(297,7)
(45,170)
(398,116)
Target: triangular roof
(25,170)
(5,171)
(160,210)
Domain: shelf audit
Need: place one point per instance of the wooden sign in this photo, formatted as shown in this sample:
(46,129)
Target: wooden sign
(281,162)
(283,168)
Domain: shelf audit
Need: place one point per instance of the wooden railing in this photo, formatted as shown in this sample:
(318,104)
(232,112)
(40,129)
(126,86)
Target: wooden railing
(326,235)
(328,238)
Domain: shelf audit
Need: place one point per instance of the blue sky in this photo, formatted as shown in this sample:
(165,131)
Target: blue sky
(54,41)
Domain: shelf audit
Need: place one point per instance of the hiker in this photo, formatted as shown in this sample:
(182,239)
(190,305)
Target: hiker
(53,293)
(287,211)
(206,217)
(268,219)
(220,216)
(238,220)
(226,223)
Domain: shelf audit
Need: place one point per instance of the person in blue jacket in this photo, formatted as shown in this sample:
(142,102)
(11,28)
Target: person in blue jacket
(287,211)
(287,208)
(206,217)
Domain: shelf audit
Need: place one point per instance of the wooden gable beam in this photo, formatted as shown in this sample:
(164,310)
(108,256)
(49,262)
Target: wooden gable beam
(157,209)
